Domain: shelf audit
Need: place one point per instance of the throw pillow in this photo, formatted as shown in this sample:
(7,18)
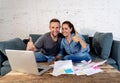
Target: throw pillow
(102,43)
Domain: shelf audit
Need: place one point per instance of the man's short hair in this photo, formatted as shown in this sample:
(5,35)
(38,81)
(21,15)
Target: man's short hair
(54,20)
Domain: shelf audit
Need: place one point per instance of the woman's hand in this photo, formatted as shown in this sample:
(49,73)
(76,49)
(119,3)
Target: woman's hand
(76,38)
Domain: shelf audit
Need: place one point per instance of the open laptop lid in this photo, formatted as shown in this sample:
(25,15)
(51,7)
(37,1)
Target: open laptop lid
(22,61)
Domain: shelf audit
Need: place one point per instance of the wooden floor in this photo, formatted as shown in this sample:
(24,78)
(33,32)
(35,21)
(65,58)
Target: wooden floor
(109,75)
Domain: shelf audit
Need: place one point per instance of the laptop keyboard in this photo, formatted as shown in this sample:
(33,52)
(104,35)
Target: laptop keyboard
(39,69)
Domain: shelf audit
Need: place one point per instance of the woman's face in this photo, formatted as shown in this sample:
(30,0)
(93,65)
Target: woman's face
(66,31)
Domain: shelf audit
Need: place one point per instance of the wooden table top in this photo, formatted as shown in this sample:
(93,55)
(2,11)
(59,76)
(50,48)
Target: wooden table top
(109,75)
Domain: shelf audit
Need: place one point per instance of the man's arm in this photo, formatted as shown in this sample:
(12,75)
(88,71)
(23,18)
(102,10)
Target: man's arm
(31,46)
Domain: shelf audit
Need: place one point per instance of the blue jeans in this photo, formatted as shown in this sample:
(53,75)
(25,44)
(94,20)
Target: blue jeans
(78,57)
(40,57)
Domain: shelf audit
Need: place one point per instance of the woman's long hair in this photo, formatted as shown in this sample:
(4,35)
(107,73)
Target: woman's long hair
(71,26)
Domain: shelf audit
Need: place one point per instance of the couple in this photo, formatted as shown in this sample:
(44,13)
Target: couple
(52,45)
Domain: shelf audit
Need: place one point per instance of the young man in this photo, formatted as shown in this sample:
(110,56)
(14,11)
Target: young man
(47,47)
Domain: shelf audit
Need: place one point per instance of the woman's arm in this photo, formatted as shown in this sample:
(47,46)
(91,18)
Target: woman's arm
(76,38)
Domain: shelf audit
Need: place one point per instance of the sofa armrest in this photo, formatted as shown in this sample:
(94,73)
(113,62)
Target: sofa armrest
(2,58)
(15,43)
(115,52)
(25,41)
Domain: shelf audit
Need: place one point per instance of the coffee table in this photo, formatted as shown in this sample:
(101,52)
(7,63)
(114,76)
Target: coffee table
(109,75)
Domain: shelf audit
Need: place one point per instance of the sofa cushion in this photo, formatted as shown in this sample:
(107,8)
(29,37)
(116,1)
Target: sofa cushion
(6,63)
(15,43)
(35,37)
(86,37)
(2,57)
(111,61)
(2,48)
(5,70)
(102,43)
(115,66)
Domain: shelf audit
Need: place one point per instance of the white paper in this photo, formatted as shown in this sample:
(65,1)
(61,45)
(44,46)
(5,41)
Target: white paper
(92,70)
(88,68)
(78,71)
(83,68)
(63,67)
(99,63)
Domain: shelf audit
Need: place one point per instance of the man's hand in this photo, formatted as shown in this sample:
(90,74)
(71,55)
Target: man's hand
(30,45)
(56,58)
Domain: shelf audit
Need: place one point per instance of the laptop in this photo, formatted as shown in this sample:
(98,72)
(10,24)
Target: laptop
(24,61)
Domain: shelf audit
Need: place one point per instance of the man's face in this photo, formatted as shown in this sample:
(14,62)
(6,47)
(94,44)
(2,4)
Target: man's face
(54,28)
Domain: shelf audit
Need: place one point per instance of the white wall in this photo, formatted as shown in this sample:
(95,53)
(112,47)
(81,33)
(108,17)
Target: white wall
(19,18)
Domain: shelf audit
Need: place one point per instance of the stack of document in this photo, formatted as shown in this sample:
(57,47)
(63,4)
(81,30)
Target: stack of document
(63,67)
(83,68)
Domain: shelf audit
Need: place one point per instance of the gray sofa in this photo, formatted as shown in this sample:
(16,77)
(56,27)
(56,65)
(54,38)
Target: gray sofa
(102,47)
(15,43)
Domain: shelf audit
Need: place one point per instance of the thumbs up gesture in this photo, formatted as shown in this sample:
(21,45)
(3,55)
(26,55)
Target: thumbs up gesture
(76,38)
(30,45)
(30,39)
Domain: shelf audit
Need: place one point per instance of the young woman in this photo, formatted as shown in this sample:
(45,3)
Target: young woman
(74,44)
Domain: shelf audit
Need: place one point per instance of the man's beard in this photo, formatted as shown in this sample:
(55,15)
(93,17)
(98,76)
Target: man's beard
(54,35)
